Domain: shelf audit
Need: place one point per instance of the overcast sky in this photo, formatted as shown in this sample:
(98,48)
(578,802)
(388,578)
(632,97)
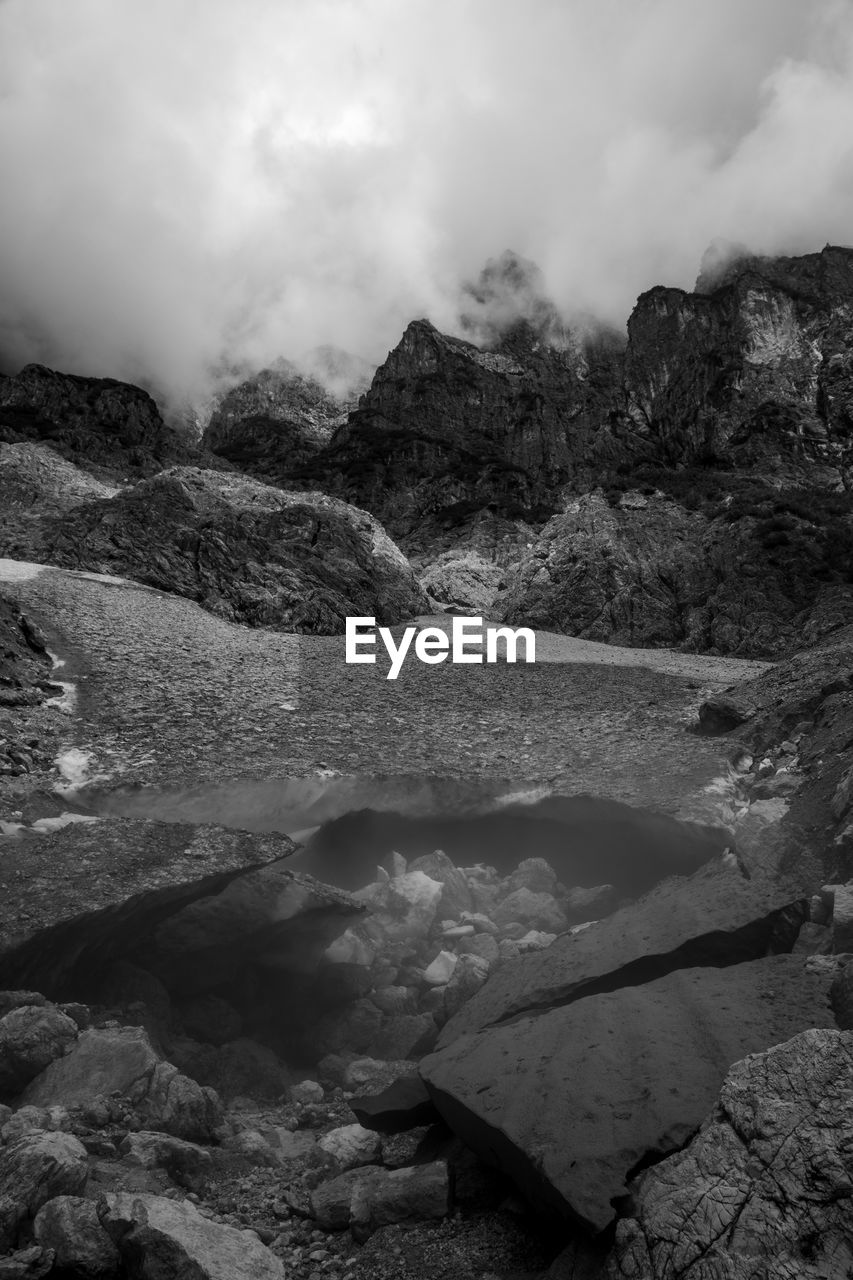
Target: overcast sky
(187,182)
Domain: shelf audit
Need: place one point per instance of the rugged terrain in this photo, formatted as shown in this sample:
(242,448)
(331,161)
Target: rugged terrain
(253,1019)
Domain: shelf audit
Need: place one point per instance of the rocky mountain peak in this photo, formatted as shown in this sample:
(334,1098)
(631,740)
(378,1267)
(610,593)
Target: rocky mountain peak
(508,304)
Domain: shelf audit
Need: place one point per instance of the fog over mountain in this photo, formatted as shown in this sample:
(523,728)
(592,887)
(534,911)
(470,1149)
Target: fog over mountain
(188,187)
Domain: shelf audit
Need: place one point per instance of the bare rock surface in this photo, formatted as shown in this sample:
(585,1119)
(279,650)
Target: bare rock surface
(764,1188)
(121,1060)
(69,1225)
(249,552)
(31,1037)
(34,1169)
(568,1100)
(157,1237)
(715,916)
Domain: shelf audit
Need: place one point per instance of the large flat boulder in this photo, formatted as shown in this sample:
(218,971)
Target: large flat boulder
(764,1188)
(34,1169)
(722,914)
(568,1100)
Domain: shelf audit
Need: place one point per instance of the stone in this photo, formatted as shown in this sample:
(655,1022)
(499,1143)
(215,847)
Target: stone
(351,1145)
(465,581)
(307,1093)
(626,1073)
(842,919)
(373,1075)
(469,975)
(370,1198)
(404,1104)
(121,1060)
(69,1225)
(534,940)
(534,910)
(405,907)
(31,1037)
(157,1237)
(406,1036)
(34,1169)
(440,970)
(395,1000)
(239,1068)
(714,916)
(248,552)
(186,1163)
(841,997)
(484,945)
(534,874)
(27,1264)
(764,1187)
(721,714)
(456,893)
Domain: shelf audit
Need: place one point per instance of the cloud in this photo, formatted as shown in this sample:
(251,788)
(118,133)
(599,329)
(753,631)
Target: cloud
(191,184)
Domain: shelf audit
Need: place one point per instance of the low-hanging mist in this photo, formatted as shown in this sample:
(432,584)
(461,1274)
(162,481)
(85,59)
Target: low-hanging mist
(188,189)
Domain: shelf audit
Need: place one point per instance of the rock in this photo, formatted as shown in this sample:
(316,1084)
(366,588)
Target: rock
(843,797)
(34,1169)
(534,940)
(351,1146)
(469,975)
(157,1237)
(464,581)
(714,916)
(407,1036)
(813,939)
(26,1119)
(482,923)
(595,902)
(370,1074)
(405,907)
(484,945)
(395,1000)
(353,1027)
(31,1037)
(235,1069)
(27,1264)
(370,1198)
(307,1093)
(645,1064)
(69,1225)
(440,970)
(769,1171)
(721,714)
(10,1000)
(456,893)
(259,1149)
(89,420)
(277,419)
(246,551)
(534,874)
(404,1104)
(186,1163)
(842,919)
(121,1060)
(841,997)
(537,910)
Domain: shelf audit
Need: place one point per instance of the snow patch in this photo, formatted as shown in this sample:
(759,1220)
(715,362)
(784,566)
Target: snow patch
(44,825)
(74,766)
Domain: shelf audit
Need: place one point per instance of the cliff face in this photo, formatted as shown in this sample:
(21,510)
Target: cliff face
(278,419)
(96,421)
(446,425)
(757,372)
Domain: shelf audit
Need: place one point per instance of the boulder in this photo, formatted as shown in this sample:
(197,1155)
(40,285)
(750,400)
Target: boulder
(456,893)
(186,1163)
(721,714)
(715,916)
(440,970)
(351,1145)
(122,1061)
(407,1036)
(534,874)
(764,1188)
(69,1225)
(842,919)
(405,907)
(32,1263)
(249,552)
(404,1104)
(31,1037)
(369,1198)
(567,1100)
(469,975)
(157,1237)
(34,1169)
(533,910)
